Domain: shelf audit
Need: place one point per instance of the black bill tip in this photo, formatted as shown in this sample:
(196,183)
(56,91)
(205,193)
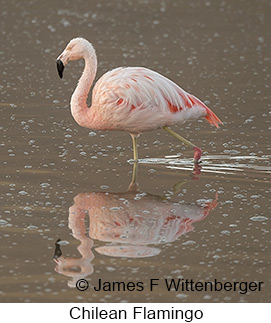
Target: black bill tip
(58,252)
(60,68)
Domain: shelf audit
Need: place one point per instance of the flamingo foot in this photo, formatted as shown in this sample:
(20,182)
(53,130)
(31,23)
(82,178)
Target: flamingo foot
(197,154)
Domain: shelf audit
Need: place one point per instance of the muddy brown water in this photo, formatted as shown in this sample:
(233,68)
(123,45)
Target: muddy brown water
(60,181)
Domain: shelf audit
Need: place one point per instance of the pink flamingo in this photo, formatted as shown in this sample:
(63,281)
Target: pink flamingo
(131,99)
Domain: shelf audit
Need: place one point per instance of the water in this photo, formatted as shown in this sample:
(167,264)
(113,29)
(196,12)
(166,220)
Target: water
(60,181)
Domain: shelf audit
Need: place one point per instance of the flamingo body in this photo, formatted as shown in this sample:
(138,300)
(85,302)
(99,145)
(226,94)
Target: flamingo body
(137,99)
(131,99)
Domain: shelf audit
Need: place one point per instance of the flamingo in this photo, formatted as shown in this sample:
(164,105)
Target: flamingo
(131,99)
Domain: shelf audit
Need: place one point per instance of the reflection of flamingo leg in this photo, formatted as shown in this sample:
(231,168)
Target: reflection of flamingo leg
(177,187)
(196,171)
(133,185)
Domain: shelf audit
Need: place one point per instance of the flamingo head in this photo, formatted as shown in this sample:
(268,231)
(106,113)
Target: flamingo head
(76,49)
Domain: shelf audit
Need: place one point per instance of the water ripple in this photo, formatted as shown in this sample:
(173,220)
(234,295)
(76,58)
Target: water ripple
(223,164)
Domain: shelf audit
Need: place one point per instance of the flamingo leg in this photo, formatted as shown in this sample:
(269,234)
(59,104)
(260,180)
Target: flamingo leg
(135,150)
(197,150)
(133,185)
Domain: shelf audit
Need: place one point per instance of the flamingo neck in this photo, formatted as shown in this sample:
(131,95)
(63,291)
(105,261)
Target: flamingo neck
(79,107)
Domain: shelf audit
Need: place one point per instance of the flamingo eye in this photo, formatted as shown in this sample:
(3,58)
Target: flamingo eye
(69,48)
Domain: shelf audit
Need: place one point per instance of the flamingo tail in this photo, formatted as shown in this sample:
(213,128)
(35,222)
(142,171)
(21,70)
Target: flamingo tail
(210,117)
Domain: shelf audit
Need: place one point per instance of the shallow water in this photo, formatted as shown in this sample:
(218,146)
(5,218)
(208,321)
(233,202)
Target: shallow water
(60,181)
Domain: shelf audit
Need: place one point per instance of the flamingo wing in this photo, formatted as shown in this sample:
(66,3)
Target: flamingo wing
(141,89)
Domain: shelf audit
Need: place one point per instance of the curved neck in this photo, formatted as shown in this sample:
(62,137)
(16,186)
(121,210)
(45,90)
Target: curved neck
(79,107)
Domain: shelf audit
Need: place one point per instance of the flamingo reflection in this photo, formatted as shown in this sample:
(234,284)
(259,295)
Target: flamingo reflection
(131,224)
